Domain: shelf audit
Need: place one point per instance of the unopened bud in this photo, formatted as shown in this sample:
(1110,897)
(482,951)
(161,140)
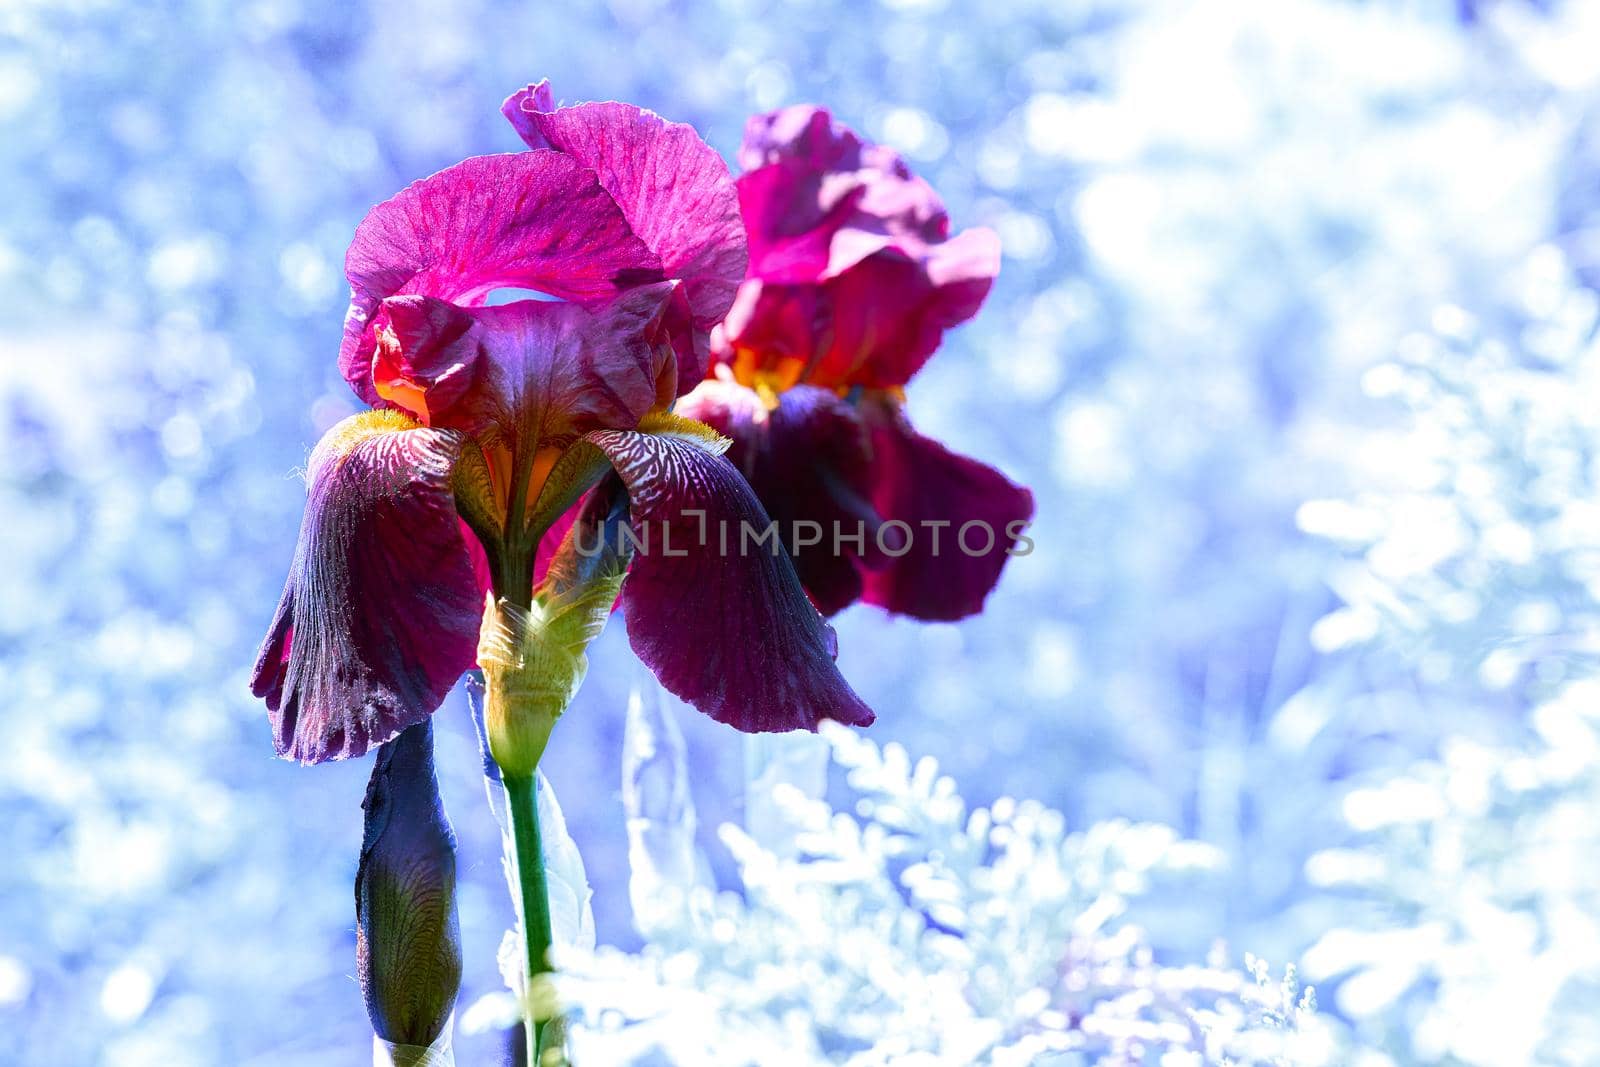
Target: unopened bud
(408,939)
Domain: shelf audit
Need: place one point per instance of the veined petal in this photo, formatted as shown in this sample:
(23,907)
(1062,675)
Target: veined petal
(380,613)
(673,188)
(808,462)
(727,629)
(918,481)
(534,220)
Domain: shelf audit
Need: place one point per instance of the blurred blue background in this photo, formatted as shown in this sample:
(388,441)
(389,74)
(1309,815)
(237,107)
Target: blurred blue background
(1218,218)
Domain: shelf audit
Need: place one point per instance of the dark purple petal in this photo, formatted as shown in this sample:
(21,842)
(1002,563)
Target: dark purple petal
(408,939)
(532,220)
(919,481)
(808,462)
(730,631)
(380,613)
(672,187)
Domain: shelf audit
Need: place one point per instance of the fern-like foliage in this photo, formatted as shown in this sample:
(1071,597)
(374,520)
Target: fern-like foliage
(915,930)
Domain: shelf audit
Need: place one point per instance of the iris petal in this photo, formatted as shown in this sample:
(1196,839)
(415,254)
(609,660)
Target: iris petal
(919,481)
(535,220)
(890,313)
(847,220)
(380,613)
(673,188)
(728,630)
(808,461)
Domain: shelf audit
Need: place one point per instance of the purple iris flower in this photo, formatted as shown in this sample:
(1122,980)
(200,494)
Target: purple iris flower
(619,238)
(854,276)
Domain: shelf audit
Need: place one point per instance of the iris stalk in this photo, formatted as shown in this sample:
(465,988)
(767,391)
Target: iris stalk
(533,907)
(533,659)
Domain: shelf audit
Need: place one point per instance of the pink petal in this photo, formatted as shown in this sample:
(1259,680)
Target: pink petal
(804,133)
(889,314)
(533,220)
(815,195)
(380,613)
(793,215)
(847,219)
(520,107)
(672,187)
(920,481)
(731,632)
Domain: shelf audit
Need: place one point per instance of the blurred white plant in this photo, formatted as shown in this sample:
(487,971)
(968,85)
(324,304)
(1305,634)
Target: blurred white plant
(1469,887)
(1478,554)
(918,932)
(1476,938)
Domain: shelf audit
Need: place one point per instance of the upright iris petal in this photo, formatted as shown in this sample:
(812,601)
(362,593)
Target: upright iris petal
(498,416)
(672,188)
(854,278)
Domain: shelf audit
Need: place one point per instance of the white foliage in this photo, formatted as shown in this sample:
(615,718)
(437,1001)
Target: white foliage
(1470,881)
(1477,935)
(922,932)
(1477,551)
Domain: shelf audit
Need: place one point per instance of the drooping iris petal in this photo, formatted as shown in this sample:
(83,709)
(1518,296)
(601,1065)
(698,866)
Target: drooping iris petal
(945,574)
(672,187)
(808,462)
(532,220)
(724,624)
(380,613)
(408,938)
(429,358)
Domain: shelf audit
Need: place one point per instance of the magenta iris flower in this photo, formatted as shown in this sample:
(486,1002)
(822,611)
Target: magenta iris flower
(853,279)
(619,237)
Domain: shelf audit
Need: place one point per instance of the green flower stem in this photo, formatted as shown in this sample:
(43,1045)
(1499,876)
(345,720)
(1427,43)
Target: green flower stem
(522,806)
